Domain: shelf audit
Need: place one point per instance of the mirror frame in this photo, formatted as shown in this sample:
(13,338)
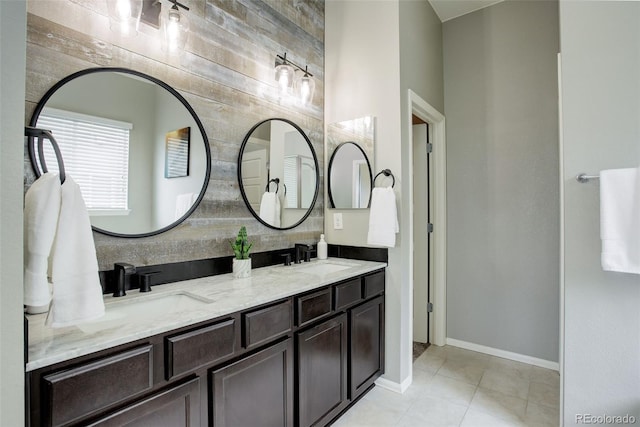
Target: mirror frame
(333,155)
(315,162)
(183,101)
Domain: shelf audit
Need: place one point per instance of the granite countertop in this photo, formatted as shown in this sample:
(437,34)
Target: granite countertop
(181,304)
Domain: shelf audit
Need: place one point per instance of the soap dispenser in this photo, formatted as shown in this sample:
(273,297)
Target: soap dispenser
(322,248)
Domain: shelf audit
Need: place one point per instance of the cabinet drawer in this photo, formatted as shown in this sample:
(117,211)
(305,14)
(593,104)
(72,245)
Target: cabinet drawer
(373,284)
(346,294)
(179,406)
(313,306)
(78,392)
(205,346)
(261,326)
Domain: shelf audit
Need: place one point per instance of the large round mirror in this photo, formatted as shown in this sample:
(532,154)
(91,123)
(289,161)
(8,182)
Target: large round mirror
(278,173)
(133,144)
(350,177)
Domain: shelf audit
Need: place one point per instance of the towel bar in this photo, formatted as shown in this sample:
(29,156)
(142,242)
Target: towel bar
(385,172)
(583,178)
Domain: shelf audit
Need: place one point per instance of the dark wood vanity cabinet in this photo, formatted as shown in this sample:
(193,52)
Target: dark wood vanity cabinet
(298,361)
(340,358)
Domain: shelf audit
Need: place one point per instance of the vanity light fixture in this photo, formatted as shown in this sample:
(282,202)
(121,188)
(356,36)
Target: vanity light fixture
(126,15)
(286,77)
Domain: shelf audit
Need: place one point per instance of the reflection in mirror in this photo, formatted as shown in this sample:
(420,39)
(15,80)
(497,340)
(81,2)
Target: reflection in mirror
(132,143)
(278,173)
(351,147)
(349,177)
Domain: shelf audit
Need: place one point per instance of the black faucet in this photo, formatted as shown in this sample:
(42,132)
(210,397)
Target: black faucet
(123,272)
(302,249)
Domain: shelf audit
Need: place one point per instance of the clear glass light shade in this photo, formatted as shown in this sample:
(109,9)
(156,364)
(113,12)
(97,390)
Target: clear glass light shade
(305,87)
(124,16)
(175,28)
(285,75)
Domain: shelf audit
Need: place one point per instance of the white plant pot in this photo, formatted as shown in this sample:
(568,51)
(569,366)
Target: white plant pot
(241,268)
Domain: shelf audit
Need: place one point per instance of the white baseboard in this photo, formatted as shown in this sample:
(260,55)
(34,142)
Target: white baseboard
(504,354)
(394,386)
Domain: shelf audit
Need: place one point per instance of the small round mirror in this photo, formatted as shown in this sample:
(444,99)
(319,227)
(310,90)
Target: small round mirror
(278,173)
(133,144)
(350,177)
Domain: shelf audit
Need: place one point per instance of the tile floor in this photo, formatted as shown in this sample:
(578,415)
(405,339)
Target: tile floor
(456,387)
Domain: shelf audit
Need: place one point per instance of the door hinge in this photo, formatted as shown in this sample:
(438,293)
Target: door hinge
(429,307)
(429,147)
(429,228)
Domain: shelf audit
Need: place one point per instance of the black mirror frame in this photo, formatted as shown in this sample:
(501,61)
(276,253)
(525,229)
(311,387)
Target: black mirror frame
(58,85)
(315,161)
(333,155)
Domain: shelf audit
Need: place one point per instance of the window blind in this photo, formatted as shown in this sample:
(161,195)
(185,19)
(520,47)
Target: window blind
(95,151)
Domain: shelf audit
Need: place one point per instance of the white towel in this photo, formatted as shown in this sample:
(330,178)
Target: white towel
(184,203)
(270,209)
(383,218)
(620,220)
(41,211)
(77,294)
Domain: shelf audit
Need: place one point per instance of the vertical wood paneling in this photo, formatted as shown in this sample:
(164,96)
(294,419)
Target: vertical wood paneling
(225,73)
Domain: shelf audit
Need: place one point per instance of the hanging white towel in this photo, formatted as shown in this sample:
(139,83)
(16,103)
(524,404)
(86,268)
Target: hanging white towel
(41,211)
(77,294)
(270,209)
(620,220)
(383,218)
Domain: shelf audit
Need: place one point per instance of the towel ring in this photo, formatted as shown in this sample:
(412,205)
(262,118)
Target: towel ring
(41,134)
(385,172)
(274,180)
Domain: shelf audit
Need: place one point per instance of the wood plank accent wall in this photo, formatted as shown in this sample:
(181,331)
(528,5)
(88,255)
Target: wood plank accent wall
(225,73)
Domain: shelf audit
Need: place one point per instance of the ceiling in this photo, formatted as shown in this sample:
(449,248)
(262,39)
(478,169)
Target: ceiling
(449,9)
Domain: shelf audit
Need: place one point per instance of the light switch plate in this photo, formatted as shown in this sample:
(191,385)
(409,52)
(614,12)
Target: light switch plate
(337,221)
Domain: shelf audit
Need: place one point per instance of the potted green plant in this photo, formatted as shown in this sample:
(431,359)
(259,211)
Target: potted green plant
(241,248)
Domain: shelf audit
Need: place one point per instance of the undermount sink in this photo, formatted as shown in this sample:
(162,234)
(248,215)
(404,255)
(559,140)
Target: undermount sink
(147,307)
(319,268)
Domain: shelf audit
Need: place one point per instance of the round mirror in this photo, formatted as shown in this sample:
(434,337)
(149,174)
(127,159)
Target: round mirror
(278,173)
(350,177)
(133,144)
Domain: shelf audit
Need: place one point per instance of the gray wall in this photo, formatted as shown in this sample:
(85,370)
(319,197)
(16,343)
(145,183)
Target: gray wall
(601,130)
(12,80)
(225,73)
(502,178)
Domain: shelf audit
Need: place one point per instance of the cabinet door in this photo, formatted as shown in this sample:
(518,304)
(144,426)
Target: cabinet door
(322,372)
(366,352)
(178,406)
(255,391)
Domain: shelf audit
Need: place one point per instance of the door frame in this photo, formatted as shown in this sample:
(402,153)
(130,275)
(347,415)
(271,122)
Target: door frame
(438,254)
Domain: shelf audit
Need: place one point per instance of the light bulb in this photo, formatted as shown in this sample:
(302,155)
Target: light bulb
(123,8)
(306,86)
(124,15)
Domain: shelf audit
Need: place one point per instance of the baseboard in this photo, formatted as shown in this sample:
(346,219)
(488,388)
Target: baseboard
(504,354)
(394,386)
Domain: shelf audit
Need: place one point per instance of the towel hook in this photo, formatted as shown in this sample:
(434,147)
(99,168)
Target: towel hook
(386,172)
(274,180)
(41,134)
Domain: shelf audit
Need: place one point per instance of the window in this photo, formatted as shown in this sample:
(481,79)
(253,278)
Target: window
(95,151)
